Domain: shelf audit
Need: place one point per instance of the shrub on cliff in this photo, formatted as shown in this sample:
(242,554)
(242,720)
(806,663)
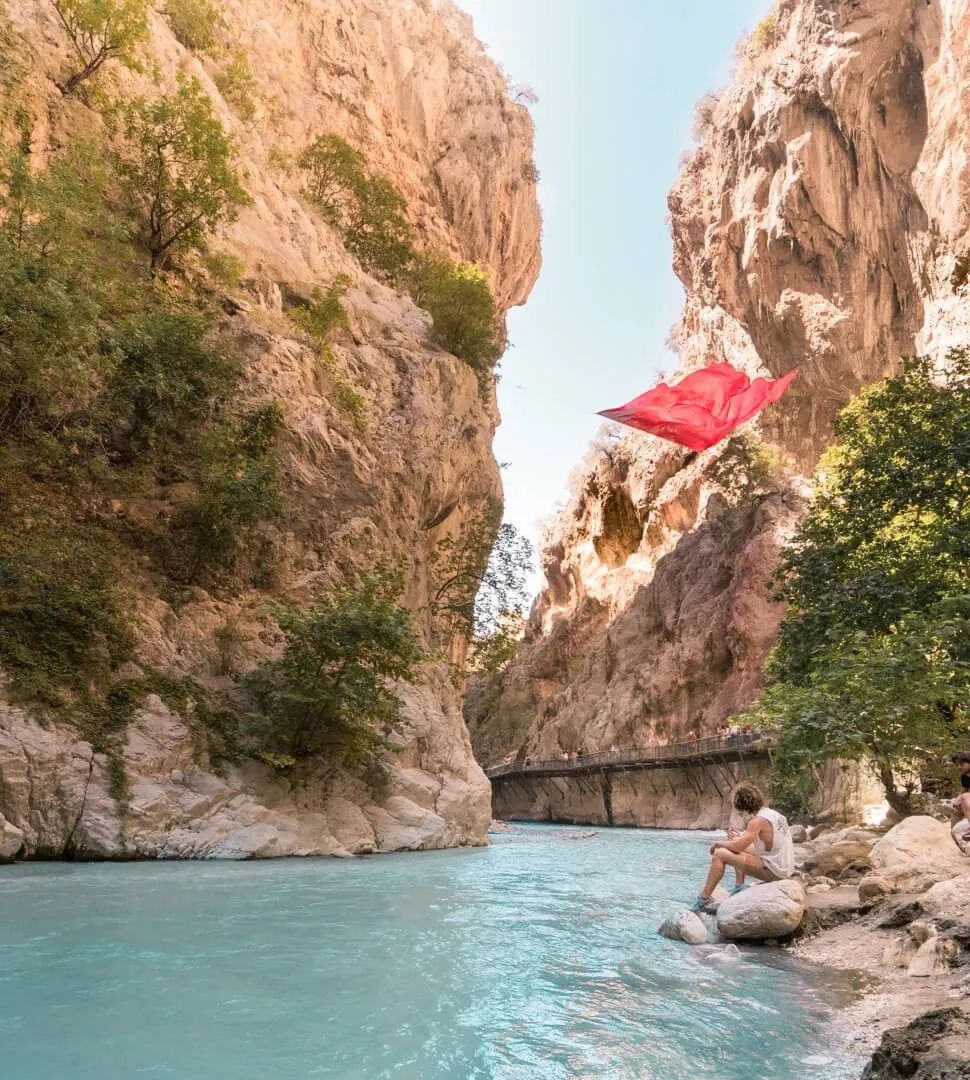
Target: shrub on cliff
(196,23)
(170,367)
(63,261)
(179,169)
(101,30)
(328,696)
(239,494)
(459,300)
(872,657)
(367,209)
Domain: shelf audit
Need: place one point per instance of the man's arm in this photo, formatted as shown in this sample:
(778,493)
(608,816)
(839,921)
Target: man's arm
(742,841)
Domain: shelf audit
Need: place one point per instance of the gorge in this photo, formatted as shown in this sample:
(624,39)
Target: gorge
(819,224)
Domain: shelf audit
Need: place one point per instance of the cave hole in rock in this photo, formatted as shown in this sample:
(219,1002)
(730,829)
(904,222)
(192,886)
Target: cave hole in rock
(621,530)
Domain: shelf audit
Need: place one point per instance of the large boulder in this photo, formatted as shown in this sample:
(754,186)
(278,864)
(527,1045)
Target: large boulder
(831,860)
(919,839)
(768,910)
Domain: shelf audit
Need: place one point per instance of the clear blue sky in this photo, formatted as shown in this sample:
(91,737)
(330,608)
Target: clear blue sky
(618,81)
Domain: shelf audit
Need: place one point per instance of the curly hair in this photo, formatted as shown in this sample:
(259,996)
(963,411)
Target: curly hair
(748,799)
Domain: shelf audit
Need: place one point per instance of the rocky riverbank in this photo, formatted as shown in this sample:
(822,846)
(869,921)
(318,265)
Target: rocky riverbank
(891,904)
(896,907)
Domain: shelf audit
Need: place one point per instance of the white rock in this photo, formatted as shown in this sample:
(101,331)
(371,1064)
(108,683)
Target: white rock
(917,839)
(899,953)
(11,839)
(688,927)
(768,910)
(932,958)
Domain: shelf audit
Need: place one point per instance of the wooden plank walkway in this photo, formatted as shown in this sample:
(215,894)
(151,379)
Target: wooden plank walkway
(668,756)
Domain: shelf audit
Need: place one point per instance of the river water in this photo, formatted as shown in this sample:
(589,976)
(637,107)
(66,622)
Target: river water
(535,958)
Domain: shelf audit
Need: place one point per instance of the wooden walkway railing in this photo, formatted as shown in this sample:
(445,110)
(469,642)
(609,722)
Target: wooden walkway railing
(715,747)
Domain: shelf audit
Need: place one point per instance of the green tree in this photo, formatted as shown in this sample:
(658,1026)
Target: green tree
(61,253)
(101,30)
(459,300)
(376,230)
(367,210)
(328,695)
(871,657)
(334,173)
(896,700)
(179,165)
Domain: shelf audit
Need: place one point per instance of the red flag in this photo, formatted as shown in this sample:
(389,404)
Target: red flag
(702,408)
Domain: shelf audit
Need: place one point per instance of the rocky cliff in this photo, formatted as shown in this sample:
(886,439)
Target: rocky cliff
(820,224)
(408,85)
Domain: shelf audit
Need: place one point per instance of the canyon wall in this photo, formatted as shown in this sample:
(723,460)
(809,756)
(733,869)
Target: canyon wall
(820,224)
(410,87)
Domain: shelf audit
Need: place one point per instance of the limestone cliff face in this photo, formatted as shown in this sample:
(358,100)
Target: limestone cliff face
(817,226)
(408,85)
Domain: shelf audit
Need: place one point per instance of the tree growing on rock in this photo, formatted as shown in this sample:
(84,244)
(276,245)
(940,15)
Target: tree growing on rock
(101,30)
(367,209)
(179,165)
(329,694)
(873,657)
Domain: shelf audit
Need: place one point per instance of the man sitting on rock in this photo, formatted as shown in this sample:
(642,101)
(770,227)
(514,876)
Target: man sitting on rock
(763,850)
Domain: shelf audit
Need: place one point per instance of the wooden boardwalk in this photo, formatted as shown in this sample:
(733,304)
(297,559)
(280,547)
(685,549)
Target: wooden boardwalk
(712,750)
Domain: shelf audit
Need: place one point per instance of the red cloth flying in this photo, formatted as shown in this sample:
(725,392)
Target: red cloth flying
(702,408)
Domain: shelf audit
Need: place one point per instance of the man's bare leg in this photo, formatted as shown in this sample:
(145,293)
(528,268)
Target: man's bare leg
(742,862)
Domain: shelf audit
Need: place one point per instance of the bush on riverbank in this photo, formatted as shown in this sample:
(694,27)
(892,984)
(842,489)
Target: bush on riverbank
(873,657)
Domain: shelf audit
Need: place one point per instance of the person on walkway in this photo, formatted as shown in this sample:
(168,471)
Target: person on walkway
(764,850)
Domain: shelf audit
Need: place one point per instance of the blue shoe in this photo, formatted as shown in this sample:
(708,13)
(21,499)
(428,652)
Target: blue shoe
(700,904)
(739,888)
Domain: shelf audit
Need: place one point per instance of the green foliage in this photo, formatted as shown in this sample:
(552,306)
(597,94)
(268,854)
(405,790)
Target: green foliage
(376,230)
(196,23)
(101,30)
(745,468)
(326,314)
(179,164)
(62,631)
(501,601)
(327,696)
(319,321)
(237,84)
(457,567)
(367,210)
(170,369)
(55,235)
(765,35)
(224,268)
(239,495)
(334,172)
(889,531)
(872,657)
(895,699)
(458,298)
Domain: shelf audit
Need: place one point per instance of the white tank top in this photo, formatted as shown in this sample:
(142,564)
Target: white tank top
(780,858)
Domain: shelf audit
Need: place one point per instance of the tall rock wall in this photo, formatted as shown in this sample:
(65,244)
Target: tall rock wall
(407,84)
(818,225)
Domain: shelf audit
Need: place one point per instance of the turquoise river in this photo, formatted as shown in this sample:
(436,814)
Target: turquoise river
(535,958)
